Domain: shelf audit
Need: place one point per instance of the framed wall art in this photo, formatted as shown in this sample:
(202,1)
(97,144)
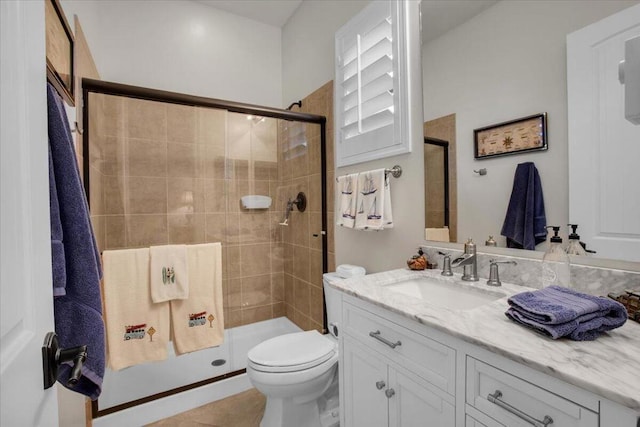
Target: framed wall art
(515,136)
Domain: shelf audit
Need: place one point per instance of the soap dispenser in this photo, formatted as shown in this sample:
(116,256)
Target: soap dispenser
(555,262)
(575,248)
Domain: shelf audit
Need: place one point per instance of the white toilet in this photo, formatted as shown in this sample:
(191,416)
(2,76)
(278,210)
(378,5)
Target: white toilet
(298,373)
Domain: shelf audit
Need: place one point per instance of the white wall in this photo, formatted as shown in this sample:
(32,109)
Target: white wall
(308,45)
(308,62)
(507,62)
(183,46)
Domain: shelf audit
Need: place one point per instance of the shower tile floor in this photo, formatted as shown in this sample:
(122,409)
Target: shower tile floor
(240,410)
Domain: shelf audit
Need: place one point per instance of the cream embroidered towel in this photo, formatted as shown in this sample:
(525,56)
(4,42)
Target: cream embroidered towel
(198,322)
(137,329)
(374,201)
(169,273)
(347,196)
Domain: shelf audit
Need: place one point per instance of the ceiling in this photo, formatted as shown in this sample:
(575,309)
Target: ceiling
(272,12)
(438,16)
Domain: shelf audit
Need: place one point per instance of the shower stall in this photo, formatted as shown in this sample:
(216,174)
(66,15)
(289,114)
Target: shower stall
(167,168)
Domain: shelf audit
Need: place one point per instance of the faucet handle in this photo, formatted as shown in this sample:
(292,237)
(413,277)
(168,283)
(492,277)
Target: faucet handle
(494,275)
(446,264)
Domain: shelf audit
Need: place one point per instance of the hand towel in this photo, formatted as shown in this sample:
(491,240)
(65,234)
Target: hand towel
(198,322)
(137,329)
(525,222)
(437,234)
(169,274)
(557,312)
(77,301)
(374,201)
(346,214)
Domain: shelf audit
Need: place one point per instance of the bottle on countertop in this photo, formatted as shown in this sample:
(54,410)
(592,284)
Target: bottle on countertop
(556,269)
(575,247)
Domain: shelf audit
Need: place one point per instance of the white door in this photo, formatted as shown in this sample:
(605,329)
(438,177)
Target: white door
(604,148)
(26,295)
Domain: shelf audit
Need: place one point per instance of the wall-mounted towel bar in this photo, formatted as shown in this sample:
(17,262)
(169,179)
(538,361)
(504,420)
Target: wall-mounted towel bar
(395,171)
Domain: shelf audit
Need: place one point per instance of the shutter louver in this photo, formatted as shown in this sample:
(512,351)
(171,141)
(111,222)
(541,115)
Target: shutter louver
(367,81)
(370,90)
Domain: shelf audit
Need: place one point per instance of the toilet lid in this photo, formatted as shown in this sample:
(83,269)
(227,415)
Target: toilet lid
(292,352)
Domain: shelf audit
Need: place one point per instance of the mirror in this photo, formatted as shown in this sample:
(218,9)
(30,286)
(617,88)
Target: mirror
(507,62)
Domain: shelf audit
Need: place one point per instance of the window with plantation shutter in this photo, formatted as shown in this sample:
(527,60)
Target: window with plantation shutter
(370,97)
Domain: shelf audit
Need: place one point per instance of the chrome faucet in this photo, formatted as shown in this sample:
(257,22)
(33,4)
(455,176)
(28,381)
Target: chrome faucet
(469,262)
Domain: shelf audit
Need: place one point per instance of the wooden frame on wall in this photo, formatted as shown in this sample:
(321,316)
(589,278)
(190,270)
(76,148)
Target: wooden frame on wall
(512,137)
(60,44)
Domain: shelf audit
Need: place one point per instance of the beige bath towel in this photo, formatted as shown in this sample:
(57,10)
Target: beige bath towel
(137,329)
(198,322)
(169,273)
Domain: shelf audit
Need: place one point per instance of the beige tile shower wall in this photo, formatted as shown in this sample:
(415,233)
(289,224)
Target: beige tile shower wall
(445,128)
(300,170)
(170,174)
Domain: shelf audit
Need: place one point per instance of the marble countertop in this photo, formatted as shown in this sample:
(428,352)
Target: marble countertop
(608,366)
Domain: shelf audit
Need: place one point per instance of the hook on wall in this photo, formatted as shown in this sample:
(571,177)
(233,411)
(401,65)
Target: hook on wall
(481,172)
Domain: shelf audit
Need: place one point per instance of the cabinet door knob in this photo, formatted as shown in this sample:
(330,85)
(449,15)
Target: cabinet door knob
(389,393)
(380,385)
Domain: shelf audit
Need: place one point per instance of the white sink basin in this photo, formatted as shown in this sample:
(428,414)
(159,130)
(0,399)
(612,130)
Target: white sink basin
(450,295)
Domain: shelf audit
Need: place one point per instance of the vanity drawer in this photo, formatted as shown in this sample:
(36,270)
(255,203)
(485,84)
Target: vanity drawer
(431,360)
(511,400)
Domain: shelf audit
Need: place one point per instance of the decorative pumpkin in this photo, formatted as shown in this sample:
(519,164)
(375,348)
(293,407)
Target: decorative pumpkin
(417,262)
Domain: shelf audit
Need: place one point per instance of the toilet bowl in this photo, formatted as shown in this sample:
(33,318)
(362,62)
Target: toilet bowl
(298,373)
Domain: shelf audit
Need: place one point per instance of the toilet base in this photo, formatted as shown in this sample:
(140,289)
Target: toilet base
(323,411)
(285,413)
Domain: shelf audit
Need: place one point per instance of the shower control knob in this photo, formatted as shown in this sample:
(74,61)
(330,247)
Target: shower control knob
(390,393)
(380,385)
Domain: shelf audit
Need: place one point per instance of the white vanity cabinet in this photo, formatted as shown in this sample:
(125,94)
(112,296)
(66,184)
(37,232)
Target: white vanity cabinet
(393,376)
(395,371)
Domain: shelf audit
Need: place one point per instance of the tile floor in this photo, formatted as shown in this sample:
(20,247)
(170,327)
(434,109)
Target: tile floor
(240,410)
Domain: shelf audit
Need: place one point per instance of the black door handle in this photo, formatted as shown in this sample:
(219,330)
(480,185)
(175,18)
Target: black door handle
(53,356)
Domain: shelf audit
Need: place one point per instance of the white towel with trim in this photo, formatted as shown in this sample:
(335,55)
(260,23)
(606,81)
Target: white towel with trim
(347,196)
(137,329)
(198,322)
(374,201)
(169,273)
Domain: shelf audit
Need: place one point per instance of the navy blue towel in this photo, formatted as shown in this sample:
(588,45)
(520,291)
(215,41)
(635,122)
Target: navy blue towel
(525,223)
(75,257)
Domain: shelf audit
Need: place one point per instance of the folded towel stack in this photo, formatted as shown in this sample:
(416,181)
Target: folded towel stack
(558,312)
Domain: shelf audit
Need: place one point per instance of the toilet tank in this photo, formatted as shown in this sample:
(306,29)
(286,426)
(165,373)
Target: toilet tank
(333,300)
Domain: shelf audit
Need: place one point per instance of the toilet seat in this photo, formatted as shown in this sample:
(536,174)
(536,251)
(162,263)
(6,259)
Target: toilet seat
(292,352)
